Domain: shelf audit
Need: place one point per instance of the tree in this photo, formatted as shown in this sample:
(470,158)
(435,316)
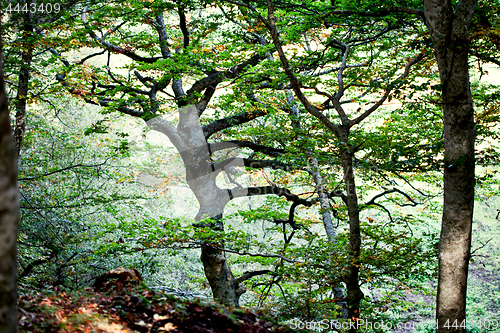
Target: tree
(27,26)
(179,55)
(341,132)
(448,26)
(9,215)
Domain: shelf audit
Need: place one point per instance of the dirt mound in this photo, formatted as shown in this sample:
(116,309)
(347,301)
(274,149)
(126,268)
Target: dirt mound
(134,310)
(118,279)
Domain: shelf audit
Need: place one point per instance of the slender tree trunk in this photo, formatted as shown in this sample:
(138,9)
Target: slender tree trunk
(22,92)
(23,84)
(331,232)
(449,29)
(324,202)
(354,293)
(9,215)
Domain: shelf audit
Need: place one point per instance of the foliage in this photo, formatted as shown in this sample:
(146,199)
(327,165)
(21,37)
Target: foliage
(67,182)
(85,208)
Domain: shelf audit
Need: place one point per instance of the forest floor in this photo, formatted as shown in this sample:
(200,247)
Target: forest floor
(136,310)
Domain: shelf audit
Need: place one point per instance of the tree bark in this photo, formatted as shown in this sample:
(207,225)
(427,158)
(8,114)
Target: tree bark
(324,201)
(9,215)
(225,287)
(330,230)
(354,293)
(192,145)
(23,83)
(448,27)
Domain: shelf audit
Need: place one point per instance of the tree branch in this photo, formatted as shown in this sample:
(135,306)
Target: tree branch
(260,164)
(213,147)
(383,12)
(394,190)
(64,169)
(294,82)
(365,114)
(228,122)
(113,48)
(249,275)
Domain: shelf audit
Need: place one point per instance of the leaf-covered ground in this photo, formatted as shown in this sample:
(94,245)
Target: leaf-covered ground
(138,310)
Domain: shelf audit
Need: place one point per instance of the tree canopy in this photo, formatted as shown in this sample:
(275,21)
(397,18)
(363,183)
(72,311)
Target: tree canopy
(313,135)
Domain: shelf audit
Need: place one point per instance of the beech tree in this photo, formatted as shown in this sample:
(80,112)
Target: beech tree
(342,126)
(449,29)
(174,57)
(9,215)
(24,28)
(448,26)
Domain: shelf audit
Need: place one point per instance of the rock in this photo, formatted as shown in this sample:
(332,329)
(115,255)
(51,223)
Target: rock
(118,279)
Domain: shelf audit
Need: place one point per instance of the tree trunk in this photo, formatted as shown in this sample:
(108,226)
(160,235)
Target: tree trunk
(24,76)
(225,287)
(9,215)
(324,201)
(201,175)
(354,293)
(331,232)
(449,29)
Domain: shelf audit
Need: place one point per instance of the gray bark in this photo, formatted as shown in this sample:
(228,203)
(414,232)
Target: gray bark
(331,232)
(448,27)
(190,141)
(324,201)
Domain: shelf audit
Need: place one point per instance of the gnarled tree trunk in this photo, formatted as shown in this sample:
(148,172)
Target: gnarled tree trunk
(201,175)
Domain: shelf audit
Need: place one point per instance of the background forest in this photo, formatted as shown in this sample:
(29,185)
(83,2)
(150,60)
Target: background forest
(298,145)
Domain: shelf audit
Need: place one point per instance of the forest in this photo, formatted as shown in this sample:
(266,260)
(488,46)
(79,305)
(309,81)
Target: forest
(250,166)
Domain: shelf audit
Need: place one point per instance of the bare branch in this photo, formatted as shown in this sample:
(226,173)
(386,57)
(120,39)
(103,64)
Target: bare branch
(382,12)
(249,275)
(365,114)
(479,248)
(394,190)
(64,169)
(82,61)
(213,147)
